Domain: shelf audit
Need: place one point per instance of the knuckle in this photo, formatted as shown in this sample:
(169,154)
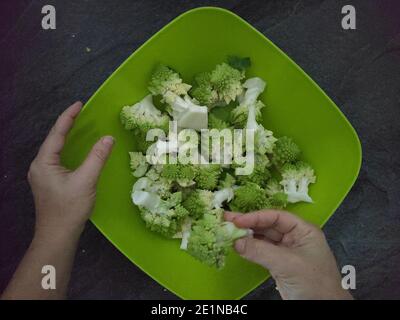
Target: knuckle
(33,168)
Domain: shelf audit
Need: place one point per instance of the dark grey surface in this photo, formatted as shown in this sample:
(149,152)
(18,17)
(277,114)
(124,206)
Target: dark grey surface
(42,72)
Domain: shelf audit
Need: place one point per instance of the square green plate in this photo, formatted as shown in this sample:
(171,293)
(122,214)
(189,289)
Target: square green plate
(196,41)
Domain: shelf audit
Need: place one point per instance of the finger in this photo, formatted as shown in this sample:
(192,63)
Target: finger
(230,216)
(281,221)
(261,252)
(90,169)
(54,142)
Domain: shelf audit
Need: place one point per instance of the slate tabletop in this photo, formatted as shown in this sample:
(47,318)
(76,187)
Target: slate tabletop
(42,72)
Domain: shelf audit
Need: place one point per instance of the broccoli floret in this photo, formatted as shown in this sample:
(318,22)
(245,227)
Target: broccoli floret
(211,238)
(166,224)
(198,203)
(144,116)
(203,90)
(260,173)
(138,164)
(207,176)
(285,151)
(295,181)
(160,188)
(277,197)
(249,197)
(227,82)
(254,87)
(264,140)
(165,79)
(164,216)
(184,175)
(240,113)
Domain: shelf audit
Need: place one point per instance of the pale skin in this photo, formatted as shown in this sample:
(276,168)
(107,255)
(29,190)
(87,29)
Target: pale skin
(295,252)
(64,200)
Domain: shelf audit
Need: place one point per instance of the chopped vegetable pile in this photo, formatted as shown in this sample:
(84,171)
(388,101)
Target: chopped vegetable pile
(187,200)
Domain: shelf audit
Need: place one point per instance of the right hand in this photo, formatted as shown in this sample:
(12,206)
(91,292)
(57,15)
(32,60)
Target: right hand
(295,252)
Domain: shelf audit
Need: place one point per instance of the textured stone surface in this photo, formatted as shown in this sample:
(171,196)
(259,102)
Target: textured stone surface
(43,72)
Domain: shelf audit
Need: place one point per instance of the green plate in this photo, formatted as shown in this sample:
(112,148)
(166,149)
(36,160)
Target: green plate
(196,41)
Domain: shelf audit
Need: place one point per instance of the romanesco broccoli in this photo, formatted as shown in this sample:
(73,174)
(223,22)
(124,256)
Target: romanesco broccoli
(144,116)
(138,164)
(249,197)
(164,80)
(295,181)
(285,151)
(211,238)
(199,202)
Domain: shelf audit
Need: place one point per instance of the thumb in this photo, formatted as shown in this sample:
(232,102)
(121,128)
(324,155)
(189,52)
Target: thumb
(90,169)
(258,251)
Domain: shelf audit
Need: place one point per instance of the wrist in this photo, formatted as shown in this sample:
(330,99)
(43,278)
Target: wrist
(62,232)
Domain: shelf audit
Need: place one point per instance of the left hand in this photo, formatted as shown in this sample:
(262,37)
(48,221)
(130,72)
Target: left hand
(64,199)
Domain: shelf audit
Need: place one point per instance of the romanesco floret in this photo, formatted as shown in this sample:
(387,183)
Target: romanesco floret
(285,151)
(264,140)
(164,216)
(211,238)
(254,87)
(249,197)
(166,224)
(144,116)
(277,197)
(227,82)
(184,175)
(165,79)
(199,202)
(203,90)
(138,164)
(207,176)
(260,173)
(295,181)
(240,113)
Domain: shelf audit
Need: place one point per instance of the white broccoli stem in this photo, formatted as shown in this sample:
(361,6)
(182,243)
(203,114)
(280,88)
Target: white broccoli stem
(295,192)
(186,230)
(147,200)
(148,108)
(186,113)
(221,196)
(303,189)
(251,118)
(161,148)
(141,184)
(255,86)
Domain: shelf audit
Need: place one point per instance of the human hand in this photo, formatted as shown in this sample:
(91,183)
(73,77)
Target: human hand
(64,199)
(295,252)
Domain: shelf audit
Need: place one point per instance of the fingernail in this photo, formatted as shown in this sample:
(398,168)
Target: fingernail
(107,141)
(240,245)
